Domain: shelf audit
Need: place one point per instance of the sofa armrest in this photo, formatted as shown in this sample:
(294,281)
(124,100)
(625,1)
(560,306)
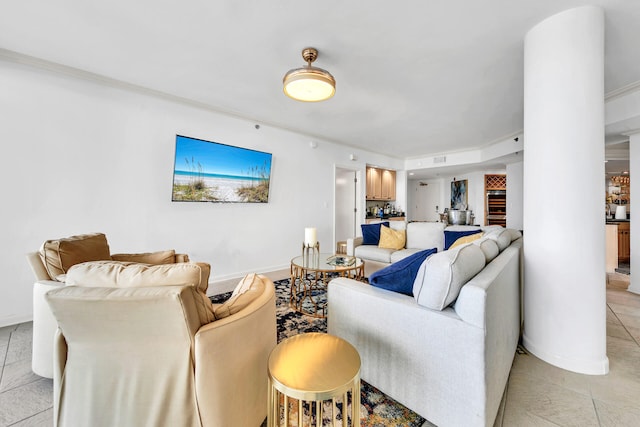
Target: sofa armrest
(409,351)
(352,243)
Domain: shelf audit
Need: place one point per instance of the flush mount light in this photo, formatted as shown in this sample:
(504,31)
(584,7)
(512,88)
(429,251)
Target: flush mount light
(309,84)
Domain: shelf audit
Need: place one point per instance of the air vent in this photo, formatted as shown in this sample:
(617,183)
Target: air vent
(441,159)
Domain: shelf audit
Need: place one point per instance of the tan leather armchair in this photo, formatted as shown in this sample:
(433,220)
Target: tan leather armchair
(146,355)
(49,266)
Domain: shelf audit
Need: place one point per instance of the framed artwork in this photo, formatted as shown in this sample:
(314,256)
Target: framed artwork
(206,171)
(459,194)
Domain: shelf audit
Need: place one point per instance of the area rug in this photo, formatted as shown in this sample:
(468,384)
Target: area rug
(376,409)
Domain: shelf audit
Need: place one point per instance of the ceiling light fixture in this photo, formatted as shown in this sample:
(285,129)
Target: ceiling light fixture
(309,84)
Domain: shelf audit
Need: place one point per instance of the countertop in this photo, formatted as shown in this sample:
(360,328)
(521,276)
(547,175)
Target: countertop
(401,215)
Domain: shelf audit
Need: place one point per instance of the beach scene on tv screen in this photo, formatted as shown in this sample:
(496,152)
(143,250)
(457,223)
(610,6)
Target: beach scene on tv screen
(207,171)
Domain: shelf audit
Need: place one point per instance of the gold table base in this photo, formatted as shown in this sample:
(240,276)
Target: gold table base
(309,280)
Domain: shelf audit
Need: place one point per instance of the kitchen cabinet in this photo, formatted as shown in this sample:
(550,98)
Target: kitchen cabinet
(381,184)
(624,241)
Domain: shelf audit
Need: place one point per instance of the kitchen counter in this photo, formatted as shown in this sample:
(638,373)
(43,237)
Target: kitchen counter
(387,216)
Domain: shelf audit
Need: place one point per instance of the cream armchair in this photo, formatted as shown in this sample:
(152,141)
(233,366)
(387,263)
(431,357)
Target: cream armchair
(142,352)
(50,265)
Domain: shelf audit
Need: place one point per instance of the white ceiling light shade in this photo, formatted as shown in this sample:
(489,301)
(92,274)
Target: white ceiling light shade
(309,84)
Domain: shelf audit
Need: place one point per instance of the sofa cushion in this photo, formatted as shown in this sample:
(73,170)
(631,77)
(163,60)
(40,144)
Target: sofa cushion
(403,253)
(61,254)
(515,234)
(118,274)
(371,232)
(249,288)
(425,235)
(502,237)
(373,253)
(466,239)
(156,258)
(489,248)
(399,276)
(391,239)
(451,236)
(442,275)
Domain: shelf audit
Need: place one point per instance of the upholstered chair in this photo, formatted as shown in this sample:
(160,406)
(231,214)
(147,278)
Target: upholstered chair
(50,265)
(142,345)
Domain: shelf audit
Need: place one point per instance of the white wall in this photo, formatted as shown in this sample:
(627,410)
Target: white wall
(515,173)
(80,156)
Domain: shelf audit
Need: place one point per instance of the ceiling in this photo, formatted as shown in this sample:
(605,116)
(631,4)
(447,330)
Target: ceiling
(413,77)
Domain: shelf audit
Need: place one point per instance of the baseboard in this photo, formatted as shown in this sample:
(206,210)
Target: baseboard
(228,283)
(581,366)
(15,319)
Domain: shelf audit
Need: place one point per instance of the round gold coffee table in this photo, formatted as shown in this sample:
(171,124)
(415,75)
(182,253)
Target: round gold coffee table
(310,276)
(310,369)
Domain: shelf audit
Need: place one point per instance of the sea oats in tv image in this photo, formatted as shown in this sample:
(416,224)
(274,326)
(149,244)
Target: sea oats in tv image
(206,171)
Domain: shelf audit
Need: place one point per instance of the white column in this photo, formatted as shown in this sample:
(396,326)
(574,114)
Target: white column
(563,218)
(634,198)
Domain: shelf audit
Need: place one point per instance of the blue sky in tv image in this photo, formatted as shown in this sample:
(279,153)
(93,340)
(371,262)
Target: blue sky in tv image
(195,156)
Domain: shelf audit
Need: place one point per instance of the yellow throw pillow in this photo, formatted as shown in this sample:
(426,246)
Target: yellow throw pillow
(466,239)
(392,239)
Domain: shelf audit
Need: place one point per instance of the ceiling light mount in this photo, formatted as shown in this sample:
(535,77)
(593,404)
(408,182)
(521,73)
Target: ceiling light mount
(309,84)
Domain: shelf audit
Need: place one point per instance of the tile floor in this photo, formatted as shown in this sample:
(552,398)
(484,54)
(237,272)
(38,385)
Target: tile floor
(537,394)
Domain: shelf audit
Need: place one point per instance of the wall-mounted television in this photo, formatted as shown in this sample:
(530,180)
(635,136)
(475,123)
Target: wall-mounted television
(207,171)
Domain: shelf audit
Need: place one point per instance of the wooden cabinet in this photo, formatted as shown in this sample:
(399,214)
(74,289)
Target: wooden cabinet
(381,184)
(624,241)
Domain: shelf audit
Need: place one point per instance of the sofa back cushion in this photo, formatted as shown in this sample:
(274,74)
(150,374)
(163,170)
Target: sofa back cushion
(116,274)
(489,248)
(442,275)
(425,235)
(61,254)
(501,236)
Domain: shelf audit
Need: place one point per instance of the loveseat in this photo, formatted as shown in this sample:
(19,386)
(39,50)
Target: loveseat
(446,351)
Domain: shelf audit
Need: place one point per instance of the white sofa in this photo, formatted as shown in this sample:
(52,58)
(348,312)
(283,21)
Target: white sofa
(449,365)
(419,236)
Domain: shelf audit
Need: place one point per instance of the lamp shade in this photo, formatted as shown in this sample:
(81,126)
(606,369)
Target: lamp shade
(309,84)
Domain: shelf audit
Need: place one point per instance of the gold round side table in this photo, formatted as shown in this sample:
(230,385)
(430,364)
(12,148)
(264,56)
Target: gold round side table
(313,368)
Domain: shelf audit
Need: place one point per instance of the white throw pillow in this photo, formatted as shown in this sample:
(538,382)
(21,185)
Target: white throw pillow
(442,275)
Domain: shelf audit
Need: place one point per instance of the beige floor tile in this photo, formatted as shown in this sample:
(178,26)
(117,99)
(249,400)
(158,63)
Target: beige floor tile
(618,331)
(19,348)
(17,374)
(611,317)
(623,298)
(617,415)
(41,419)
(624,309)
(23,402)
(532,401)
(527,366)
(5,334)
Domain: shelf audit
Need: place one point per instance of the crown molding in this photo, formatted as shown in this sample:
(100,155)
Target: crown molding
(623,91)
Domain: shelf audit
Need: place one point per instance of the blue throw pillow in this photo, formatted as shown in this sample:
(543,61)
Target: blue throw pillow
(371,233)
(451,236)
(399,276)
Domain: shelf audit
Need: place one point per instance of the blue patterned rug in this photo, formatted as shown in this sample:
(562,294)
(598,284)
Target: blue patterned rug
(376,409)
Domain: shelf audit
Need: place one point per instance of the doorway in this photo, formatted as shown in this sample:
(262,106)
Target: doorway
(346,206)
(423,200)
